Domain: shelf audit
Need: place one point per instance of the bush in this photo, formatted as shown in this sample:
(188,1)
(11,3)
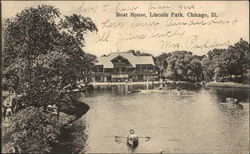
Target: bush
(73,138)
(33,131)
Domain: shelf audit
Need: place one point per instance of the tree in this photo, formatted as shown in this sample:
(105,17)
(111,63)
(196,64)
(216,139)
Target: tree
(161,61)
(43,48)
(223,64)
(208,69)
(180,65)
(238,59)
(177,65)
(196,69)
(214,53)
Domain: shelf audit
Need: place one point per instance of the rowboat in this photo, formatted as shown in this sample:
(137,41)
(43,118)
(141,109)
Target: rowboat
(133,143)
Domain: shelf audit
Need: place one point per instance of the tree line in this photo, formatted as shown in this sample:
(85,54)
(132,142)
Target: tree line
(231,64)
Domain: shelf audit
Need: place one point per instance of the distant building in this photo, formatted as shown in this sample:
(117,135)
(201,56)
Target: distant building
(124,66)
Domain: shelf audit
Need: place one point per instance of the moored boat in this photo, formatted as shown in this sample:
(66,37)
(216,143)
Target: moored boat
(133,91)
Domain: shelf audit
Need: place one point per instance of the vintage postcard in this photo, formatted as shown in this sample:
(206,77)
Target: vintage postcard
(125,77)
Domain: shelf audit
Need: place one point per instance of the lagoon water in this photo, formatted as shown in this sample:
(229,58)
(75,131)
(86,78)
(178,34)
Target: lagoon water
(197,123)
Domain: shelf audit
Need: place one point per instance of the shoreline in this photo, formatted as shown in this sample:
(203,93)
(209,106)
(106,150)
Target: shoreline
(123,83)
(227,85)
(208,84)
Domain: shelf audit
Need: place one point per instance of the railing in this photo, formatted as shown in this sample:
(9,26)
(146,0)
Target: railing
(121,73)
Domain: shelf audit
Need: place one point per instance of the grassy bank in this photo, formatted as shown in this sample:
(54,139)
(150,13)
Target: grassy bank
(227,85)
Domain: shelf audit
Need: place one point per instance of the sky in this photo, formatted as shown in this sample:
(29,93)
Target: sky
(194,30)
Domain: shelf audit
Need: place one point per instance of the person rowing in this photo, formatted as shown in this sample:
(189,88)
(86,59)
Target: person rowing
(132,139)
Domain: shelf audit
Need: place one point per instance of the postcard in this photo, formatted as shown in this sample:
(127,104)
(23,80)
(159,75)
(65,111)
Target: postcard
(125,76)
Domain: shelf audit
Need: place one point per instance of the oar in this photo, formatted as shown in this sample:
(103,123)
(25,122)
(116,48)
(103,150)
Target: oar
(144,137)
(120,137)
(127,137)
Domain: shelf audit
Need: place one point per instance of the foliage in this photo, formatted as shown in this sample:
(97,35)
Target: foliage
(139,53)
(30,126)
(161,60)
(73,138)
(42,57)
(180,65)
(231,64)
(208,70)
(227,64)
(78,136)
(77,26)
(43,48)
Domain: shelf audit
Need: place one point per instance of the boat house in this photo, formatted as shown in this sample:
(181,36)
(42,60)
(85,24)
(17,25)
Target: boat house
(124,66)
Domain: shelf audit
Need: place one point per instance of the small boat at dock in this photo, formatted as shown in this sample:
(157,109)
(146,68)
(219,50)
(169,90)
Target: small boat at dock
(134,91)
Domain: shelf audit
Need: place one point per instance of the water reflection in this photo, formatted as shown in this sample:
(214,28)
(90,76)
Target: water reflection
(222,93)
(176,124)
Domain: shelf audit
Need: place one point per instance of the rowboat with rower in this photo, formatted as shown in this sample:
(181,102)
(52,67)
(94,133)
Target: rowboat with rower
(132,139)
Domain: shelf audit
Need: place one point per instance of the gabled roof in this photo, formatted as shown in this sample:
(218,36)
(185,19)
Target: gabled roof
(134,60)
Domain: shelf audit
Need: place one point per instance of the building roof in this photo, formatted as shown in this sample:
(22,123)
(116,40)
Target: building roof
(134,60)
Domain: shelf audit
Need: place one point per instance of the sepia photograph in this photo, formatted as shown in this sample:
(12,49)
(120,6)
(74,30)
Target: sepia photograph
(125,77)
